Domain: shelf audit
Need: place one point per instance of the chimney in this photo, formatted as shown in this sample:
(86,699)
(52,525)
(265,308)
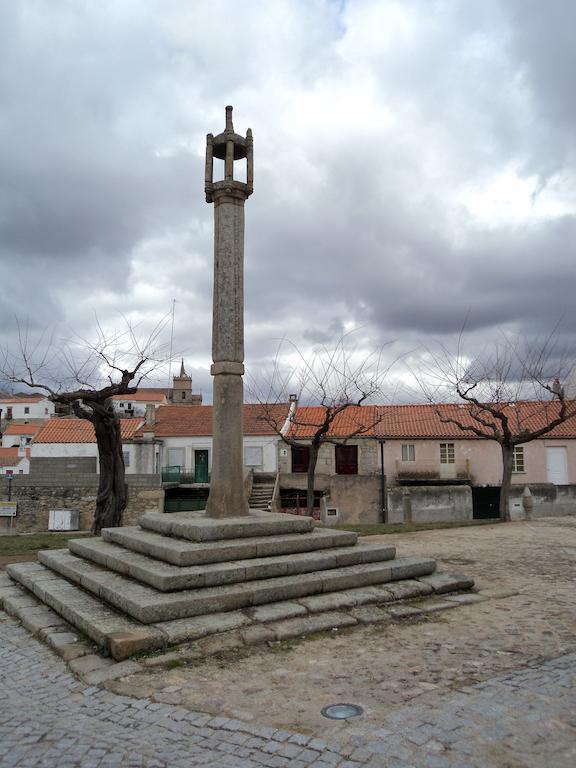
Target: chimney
(293,400)
(150,417)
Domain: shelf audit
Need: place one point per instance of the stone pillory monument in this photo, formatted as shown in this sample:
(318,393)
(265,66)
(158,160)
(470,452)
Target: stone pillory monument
(226,577)
(227,497)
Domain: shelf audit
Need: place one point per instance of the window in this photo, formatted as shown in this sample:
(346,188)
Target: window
(518,459)
(183,395)
(300,458)
(126,455)
(253,456)
(447,453)
(45,411)
(408,453)
(346,459)
(26,409)
(121,405)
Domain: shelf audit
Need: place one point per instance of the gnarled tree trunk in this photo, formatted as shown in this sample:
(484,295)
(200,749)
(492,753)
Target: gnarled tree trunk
(112,491)
(314,449)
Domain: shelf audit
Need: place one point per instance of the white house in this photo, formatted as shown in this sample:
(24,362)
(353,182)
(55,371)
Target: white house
(14,461)
(135,405)
(185,434)
(63,438)
(20,434)
(25,407)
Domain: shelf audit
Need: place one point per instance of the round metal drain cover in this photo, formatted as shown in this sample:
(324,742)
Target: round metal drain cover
(342,711)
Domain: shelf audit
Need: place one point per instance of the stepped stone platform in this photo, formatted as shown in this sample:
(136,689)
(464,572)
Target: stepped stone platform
(179,577)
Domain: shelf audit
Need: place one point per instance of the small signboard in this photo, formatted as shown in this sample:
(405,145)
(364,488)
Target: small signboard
(8,508)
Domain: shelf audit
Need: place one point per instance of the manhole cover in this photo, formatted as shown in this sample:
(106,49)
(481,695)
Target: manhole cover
(342,711)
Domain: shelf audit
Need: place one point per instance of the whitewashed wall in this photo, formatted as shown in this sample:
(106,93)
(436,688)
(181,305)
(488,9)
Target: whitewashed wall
(43,409)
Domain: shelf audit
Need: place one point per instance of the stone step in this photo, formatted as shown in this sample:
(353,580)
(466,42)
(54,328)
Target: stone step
(118,633)
(122,637)
(166,577)
(195,526)
(148,605)
(183,552)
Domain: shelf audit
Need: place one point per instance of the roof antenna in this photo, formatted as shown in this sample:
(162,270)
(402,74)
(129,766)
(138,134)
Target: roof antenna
(171,341)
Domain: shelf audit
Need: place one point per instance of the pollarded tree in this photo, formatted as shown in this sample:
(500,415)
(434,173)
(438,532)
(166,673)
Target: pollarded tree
(513,392)
(84,376)
(337,381)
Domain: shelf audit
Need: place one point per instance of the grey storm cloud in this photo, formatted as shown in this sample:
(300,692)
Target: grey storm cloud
(415,167)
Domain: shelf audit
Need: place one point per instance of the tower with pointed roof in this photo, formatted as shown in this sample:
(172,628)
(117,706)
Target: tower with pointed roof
(181,393)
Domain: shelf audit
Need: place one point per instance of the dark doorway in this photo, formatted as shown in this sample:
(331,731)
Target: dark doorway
(485,503)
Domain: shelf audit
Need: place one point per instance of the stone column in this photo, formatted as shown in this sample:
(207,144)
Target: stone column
(227,497)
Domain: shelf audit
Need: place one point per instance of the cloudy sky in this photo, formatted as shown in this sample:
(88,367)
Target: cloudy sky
(415,165)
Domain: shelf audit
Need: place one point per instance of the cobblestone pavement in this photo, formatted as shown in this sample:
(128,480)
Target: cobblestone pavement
(524,719)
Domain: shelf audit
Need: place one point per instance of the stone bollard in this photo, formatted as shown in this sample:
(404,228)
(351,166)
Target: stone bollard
(527,502)
(407,505)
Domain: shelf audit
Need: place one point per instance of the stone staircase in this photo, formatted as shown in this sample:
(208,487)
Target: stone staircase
(261,495)
(179,577)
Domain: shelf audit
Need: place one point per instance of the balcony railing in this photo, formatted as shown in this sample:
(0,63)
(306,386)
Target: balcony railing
(183,476)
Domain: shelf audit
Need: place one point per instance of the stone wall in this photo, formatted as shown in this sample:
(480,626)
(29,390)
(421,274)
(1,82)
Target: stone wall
(38,494)
(368,458)
(429,504)
(547,500)
(43,466)
(356,497)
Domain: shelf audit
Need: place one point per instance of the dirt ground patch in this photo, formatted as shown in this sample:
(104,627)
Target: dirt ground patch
(7,559)
(384,666)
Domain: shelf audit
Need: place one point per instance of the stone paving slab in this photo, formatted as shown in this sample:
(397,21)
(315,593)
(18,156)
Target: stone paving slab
(166,577)
(195,526)
(182,552)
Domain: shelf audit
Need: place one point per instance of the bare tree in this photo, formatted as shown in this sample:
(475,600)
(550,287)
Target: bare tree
(84,376)
(334,379)
(513,392)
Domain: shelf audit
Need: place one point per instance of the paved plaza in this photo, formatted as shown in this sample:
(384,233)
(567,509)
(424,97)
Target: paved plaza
(486,685)
(48,718)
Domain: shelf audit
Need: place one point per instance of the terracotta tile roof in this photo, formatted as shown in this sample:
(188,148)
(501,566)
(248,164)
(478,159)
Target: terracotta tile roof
(424,421)
(145,394)
(367,418)
(24,429)
(196,420)
(72,430)
(9,457)
(22,399)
